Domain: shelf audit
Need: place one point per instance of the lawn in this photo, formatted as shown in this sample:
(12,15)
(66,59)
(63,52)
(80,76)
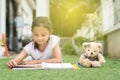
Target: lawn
(110,71)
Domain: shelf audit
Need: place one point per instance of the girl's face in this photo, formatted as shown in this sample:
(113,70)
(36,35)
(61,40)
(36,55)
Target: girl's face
(40,35)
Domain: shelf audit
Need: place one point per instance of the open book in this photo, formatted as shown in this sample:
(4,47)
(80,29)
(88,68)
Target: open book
(46,66)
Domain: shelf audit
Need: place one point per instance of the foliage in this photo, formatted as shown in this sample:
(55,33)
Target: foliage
(79,40)
(68,15)
(68,48)
(99,36)
(94,25)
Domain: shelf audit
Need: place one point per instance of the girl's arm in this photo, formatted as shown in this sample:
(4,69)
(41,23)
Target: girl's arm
(57,55)
(56,59)
(17,59)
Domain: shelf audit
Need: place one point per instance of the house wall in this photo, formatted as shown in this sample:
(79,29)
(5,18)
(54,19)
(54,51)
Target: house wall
(112,43)
(2,17)
(42,8)
(107,14)
(112,35)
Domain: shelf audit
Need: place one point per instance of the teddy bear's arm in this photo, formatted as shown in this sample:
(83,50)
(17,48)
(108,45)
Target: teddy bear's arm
(101,59)
(82,58)
(96,64)
(84,61)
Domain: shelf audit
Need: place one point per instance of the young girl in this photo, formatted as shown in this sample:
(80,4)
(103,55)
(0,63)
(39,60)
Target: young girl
(43,48)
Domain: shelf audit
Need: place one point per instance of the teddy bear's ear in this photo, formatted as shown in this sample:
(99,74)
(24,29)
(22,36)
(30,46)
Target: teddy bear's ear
(99,45)
(85,44)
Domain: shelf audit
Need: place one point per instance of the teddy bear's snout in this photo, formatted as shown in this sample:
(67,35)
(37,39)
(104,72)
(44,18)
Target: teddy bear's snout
(91,53)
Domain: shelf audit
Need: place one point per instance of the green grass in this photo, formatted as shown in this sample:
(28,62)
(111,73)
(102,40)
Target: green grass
(110,71)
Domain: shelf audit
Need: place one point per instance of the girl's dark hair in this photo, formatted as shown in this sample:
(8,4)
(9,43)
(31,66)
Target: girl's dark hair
(42,21)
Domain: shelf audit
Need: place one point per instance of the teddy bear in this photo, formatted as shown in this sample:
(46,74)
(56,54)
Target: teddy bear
(92,56)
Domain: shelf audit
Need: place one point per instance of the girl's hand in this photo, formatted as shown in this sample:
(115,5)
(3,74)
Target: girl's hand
(11,64)
(29,62)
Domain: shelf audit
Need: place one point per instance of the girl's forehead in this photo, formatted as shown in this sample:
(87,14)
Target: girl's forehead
(40,28)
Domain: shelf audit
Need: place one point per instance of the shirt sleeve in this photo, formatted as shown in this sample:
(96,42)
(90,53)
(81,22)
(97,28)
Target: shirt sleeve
(54,40)
(29,47)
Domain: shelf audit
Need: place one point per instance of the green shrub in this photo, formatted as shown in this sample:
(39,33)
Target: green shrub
(99,36)
(68,48)
(79,40)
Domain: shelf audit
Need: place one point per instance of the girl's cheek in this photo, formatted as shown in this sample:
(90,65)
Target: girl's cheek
(34,38)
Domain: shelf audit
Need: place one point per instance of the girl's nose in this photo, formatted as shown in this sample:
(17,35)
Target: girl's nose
(39,37)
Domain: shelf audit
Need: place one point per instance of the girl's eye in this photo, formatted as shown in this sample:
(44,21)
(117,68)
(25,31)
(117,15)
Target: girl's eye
(94,51)
(35,34)
(43,35)
(88,50)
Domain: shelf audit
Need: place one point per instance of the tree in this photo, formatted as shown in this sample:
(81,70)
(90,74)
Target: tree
(68,15)
(94,23)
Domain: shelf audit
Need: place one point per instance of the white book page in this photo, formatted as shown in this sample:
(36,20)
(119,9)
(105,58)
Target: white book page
(45,66)
(57,66)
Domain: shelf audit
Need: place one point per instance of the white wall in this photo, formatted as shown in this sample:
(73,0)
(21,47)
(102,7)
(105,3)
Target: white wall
(42,8)
(26,12)
(107,14)
(117,11)
(2,17)
(26,8)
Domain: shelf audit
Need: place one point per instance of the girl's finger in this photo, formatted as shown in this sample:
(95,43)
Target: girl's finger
(12,63)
